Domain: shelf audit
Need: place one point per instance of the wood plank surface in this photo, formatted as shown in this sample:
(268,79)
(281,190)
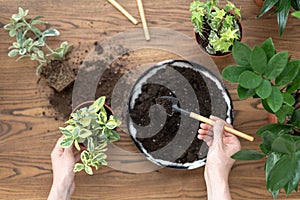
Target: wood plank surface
(29,125)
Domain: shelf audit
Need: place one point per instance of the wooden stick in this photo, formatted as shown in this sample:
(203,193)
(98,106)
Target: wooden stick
(123,11)
(143,18)
(226,128)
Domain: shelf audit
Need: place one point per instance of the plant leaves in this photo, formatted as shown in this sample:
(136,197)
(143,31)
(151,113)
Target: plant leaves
(78,167)
(244,93)
(276,65)
(97,105)
(271,161)
(76,144)
(274,128)
(283,113)
(247,154)
(282,172)
(258,60)
(232,73)
(269,48)
(13,52)
(241,53)
(250,80)
(268,4)
(88,170)
(282,12)
(111,124)
(275,100)
(66,142)
(294,181)
(50,32)
(288,99)
(84,133)
(289,73)
(90,145)
(295,84)
(284,144)
(65,132)
(264,90)
(296,118)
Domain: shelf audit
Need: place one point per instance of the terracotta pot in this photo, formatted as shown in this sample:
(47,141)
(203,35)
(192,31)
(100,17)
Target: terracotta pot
(272,118)
(259,3)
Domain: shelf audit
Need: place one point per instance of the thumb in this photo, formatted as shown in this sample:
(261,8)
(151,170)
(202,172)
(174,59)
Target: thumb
(218,130)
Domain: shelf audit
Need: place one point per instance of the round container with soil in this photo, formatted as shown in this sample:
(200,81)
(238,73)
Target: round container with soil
(168,138)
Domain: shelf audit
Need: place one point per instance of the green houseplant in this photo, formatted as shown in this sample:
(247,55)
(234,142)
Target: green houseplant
(282,9)
(31,42)
(215,28)
(273,77)
(93,127)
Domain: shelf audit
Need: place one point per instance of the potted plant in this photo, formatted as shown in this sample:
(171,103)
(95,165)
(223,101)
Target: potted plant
(93,126)
(273,77)
(31,42)
(216,28)
(282,9)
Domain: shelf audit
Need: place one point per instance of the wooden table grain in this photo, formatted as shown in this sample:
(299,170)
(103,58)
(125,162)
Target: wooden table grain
(29,129)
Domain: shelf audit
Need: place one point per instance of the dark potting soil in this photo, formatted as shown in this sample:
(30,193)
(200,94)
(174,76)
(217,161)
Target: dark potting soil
(150,95)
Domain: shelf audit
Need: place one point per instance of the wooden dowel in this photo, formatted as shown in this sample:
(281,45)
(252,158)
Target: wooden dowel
(123,11)
(143,19)
(226,128)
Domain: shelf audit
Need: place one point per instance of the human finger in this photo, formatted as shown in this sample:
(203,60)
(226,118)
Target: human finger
(206,138)
(218,130)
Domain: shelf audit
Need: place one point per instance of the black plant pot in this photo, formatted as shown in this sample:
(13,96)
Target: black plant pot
(167,138)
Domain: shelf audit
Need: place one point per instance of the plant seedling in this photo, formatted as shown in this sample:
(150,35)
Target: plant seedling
(31,41)
(92,127)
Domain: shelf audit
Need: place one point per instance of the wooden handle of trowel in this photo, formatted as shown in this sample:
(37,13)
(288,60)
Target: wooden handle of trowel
(226,128)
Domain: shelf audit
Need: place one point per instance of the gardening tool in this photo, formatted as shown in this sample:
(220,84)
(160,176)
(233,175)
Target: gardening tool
(174,101)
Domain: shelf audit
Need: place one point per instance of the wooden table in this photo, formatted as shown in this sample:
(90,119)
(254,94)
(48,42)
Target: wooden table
(29,126)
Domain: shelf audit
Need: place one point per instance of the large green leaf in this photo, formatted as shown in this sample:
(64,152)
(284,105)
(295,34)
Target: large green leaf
(282,172)
(284,144)
(266,106)
(276,65)
(288,74)
(268,4)
(288,99)
(268,47)
(271,161)
(295,85)
(274,128)
(258,59)
(296,118)
(267,140)
(275,100)
(241,53)
(232,73)
(264,90)
(247,154)
(284,112)
(244,93)
(282,12)
(294,181)
(250,80)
